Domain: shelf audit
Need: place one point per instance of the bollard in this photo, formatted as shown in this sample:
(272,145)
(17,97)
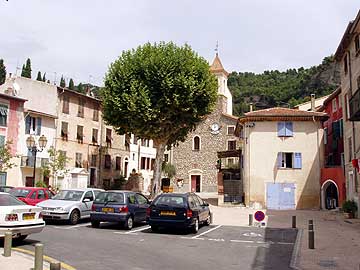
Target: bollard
(39,257)
(293,222)
(311,240)
(250,219)
(311,225)
(55,266)
(7,244)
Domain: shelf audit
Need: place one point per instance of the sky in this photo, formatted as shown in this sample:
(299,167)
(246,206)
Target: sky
(80,38)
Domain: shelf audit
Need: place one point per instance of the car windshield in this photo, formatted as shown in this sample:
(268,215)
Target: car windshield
(68,195)
(109,197)
(7,200)
(176,201)
(19,192)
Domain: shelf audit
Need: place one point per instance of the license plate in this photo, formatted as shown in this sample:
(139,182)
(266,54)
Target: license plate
(167,213)
(28,216)
(107,210)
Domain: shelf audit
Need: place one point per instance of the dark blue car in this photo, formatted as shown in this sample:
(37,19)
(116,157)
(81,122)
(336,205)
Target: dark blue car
(180,210)
(124,207)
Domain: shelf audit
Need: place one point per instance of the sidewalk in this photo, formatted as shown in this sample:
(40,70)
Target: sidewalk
(19,261)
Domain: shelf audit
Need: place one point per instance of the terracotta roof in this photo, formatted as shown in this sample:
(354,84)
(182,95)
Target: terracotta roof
(230,116)
(217,67)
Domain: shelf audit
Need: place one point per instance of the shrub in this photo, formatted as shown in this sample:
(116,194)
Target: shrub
(349,206)
(40,184)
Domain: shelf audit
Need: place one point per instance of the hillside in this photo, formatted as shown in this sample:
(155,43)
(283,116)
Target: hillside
(284,89)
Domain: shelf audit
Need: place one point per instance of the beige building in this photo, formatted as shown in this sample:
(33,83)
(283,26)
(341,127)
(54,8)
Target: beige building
(282,158)
(348,54)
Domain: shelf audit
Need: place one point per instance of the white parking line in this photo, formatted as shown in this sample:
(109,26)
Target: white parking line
(77,226)
(138,230)
(242,241)
(196,236)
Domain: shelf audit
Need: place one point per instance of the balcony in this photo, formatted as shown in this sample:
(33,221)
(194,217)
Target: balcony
(29,162)
(354,105)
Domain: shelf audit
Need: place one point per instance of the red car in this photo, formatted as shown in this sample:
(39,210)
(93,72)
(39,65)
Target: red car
(31,195)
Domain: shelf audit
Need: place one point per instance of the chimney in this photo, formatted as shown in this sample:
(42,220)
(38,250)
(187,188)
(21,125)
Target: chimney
(251,107)
(312,102)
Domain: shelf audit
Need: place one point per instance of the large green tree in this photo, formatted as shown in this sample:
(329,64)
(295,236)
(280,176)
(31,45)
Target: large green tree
(159,92)
(2,72)
(39,78)
(71,84)
(26,69)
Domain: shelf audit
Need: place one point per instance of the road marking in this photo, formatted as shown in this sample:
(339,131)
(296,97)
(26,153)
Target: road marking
(284,243)
(217,239)
(241,241)
(251,234)
(126,233)
(77,226)
(191,238)
(138,230)
(196,236)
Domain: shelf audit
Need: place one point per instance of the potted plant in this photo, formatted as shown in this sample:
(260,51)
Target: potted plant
(349,207)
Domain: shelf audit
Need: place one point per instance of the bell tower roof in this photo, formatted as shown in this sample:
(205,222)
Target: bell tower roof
(217,67)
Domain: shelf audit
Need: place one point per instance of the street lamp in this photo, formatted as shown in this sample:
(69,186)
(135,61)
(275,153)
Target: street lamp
(31,145)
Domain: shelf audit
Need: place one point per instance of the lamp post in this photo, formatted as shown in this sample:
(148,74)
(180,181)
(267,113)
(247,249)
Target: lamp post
(31,145)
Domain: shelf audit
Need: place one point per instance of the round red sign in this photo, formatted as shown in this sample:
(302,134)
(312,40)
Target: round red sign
(259,216)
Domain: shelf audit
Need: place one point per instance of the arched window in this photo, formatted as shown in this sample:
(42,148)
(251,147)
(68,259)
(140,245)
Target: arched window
(196,143)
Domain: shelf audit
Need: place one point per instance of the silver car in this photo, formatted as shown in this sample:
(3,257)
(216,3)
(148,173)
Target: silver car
(69,204)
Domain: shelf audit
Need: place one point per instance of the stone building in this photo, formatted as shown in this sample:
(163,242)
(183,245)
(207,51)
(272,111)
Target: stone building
(196,159)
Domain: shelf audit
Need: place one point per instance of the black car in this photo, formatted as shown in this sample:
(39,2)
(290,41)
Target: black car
(124,207)
(180,210)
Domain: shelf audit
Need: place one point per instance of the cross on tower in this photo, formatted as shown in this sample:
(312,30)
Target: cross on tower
(217,48)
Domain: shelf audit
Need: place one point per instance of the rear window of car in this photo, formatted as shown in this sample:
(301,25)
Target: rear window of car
(7,200)
(68,195)
(19,192)
(109,197)
(176,201)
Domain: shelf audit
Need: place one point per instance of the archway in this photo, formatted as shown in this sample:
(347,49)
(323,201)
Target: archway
(330,195)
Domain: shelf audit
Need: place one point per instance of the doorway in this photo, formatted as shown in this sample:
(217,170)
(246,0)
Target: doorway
(195,183)
(92,177)
(330,193)
(29,181)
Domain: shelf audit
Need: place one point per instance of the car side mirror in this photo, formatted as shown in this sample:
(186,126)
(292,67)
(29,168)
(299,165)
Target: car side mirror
(86,200)
(205,204)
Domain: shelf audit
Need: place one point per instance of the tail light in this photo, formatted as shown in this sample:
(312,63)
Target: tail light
(124,209)
(93,208)
(189,213)
(148,210)
(11,217)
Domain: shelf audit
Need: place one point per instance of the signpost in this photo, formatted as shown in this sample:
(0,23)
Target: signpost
(259,216)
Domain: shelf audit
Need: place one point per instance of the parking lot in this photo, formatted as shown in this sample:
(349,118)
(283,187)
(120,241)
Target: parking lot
(213,247)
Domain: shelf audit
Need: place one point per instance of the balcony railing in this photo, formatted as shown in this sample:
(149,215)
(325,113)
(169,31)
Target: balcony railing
(29,162)
(354,105)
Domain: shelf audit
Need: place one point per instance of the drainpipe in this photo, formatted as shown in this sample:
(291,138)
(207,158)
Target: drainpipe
(312,102)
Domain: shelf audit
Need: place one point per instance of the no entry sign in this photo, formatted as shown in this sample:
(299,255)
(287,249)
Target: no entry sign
(259,216)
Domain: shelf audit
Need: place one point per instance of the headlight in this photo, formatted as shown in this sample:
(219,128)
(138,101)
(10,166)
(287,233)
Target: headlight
(59,209)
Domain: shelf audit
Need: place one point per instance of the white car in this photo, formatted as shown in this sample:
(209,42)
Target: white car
(19,218)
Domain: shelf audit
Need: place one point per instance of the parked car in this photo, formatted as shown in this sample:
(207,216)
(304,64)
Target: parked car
(31,195)
(180,210)
(125,207)
(18,217)
(69,204)
(5,188)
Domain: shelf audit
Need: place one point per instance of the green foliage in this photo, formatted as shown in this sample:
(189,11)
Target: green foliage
(118,183)
(5,157)
(39,78)
(349,206)
(283,89)
(40,184)
(168,169)
(2,72)
(62,82)
(80,88)
(26,69)
(71,84)
(57,163)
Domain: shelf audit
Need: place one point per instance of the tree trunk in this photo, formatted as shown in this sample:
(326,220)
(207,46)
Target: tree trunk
(160,149)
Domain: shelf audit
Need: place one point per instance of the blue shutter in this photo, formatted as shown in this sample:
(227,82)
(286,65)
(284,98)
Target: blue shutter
(2,141)
(297,161)
(281,129)
(279,159)
(2,178)
(27,124)
(38,126)
(289,129)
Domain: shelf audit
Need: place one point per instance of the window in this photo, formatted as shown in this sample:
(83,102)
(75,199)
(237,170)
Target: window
(89,195)
(196,143)
(285,129)
(32,125)
(135,139)
(152,163)
(230,130)
(166,158)
(118,163)
(346,64)
(350,148)
(3,115)
(93,160)
(96,113)
(145,142)
(81,108)
(143,163)
(148,163)
(78,160)
(108,137)
(132,199)
(325,135)
(41,194)
(334,108)
(341,127)
(230,162)
(336,130)
(141,199)
(107,164)
(2,140)
(347,108)
(66,101)
(64,130)
(289,160)
(2,178)
(133,157)
(79,134)
(94,137)
(33,195)
(357,44)
(231,145)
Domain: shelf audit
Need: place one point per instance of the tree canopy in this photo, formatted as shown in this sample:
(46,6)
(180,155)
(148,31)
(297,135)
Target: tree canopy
(62,82)
(71,84)
(2,72)
(159,92)
(26,69)
(39,78)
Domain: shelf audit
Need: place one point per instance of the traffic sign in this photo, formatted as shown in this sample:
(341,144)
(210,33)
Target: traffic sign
(259,216)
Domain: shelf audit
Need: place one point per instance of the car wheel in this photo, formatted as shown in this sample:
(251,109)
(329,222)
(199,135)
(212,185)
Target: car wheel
(208,220)
(74,217)
(154,228)
(20,238)
(95,224)
(129,223)
(195,227)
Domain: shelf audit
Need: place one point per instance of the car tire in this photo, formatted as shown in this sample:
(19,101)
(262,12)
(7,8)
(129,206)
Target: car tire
(95,224)
(154,228)
(129,223)
(195,227)
(20,238)
(208,220)
(74,217)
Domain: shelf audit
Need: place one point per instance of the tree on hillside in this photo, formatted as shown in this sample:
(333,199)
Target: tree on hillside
(26,69)
(71,84)
(80,88)
(39,78)
(62,82)
(159,92)
(44,77)
(2,72)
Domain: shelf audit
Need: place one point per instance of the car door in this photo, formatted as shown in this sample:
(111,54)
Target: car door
(31,198)
(142,204)
(40,196)
(133,207)
(204,210)
(85,207)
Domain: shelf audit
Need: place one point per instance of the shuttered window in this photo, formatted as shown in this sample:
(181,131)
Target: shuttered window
(3,115)
(289,160)
(2,140)
(33,125)
(285,129)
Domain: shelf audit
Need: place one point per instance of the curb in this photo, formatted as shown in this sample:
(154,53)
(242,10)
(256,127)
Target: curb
(46,258)
(296,252)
